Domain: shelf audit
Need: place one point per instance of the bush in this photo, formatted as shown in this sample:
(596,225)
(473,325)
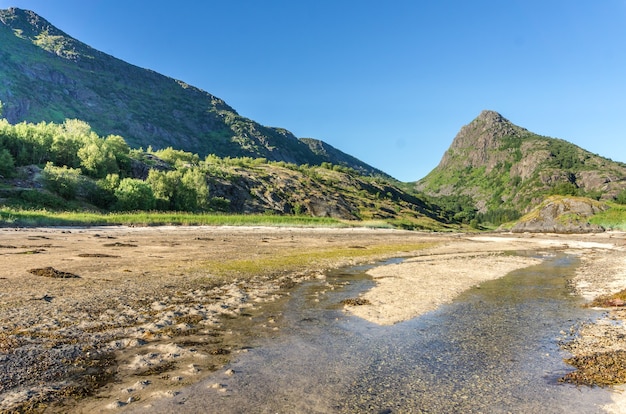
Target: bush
(7,164)
(133,194)
(564,189)
(621,198)
(178,191)
(219,204)
(63,181)
(39,199)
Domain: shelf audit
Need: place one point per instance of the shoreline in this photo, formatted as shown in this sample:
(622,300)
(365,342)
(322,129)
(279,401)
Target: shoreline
(399,293)
(146,297)
(466,263)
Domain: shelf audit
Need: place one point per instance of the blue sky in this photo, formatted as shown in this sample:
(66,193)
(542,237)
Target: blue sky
(388,82)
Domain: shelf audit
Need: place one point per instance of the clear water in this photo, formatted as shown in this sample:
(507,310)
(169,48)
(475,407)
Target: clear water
(494,350)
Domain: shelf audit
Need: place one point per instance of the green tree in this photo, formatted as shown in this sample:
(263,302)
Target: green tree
(64,150)
(62,180)
(196,191)
(180,191)
(77,129)
(7,165)
(99,157)
(133,194)
(120,150)
(71,136)
(102,194)
(96,159)
(165,186)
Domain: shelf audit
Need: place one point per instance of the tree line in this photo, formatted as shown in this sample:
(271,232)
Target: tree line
(78,164)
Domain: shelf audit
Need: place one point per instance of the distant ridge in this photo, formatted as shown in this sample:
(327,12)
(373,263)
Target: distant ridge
(46,75)
(499,165)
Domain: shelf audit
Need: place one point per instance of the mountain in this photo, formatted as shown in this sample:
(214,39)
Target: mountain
(494,165)
(46,75)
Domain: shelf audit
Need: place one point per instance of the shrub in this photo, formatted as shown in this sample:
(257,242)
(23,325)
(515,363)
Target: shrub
(564,189)
(39,199)
(219,204)
(63,181)
(7,164)
(133,194)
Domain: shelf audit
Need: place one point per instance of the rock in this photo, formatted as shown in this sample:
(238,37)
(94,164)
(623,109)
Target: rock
(53,273)
(562,215)
(140,169)
(616,302)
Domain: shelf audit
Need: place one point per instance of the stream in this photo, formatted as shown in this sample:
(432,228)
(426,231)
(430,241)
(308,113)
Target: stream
(493,350)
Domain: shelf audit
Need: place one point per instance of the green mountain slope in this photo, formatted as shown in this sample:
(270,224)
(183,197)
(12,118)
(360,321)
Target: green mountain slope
(46,75)
(494,165)
(68,167)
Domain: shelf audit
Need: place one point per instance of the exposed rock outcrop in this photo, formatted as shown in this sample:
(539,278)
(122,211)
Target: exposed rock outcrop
(562,215)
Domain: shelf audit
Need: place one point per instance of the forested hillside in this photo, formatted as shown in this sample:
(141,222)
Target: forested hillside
(68,166)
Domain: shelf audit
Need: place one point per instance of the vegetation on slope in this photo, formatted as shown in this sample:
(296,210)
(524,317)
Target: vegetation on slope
(562,214)
(49,76)
(495,171)
(613,218)
(68,167)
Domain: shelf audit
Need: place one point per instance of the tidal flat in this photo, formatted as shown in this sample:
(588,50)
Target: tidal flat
(151,311)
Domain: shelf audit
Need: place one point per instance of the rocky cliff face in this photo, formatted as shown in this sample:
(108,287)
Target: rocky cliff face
(500,165)
(46,75)
(477,144)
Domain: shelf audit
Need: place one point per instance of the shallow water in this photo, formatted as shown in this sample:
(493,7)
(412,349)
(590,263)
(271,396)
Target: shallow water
(494,350)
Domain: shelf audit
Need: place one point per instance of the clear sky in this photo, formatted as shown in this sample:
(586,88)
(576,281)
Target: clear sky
(388,82)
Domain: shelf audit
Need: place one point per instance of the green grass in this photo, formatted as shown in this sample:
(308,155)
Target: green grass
(296,260)
(36,218)
(613,218)
(11,217)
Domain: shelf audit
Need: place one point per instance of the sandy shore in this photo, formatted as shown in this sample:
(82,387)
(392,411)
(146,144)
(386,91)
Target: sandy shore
(147,306)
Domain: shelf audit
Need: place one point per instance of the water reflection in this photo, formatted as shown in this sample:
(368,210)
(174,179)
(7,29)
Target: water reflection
(493,350)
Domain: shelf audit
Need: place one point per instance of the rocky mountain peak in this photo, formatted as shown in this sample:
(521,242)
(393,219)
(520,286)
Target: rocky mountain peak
(27,23)
(492,117)
(476,140)
(501,166)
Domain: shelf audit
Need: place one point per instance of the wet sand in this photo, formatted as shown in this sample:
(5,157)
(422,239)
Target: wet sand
(147,311)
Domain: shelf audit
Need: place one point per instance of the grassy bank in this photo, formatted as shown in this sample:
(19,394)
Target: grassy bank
(44,218)
(10,217)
